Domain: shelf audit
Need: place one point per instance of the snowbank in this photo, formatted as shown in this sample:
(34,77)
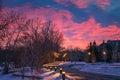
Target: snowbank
(46,75)
(102,68)
(71,63)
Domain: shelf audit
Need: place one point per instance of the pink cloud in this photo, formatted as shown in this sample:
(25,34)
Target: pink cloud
(102,3)
(75,34)
(84,3)
(90,30)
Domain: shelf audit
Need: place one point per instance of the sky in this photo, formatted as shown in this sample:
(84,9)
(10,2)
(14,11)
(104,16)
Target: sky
(81,21)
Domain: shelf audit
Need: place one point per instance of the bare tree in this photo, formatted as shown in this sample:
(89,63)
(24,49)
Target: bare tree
(12,24)
(39,41)
(43,41)
(52,41)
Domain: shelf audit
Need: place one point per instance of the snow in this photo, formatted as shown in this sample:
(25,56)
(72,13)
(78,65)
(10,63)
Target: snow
(10,77)
(71,63)
(1,68)
(47,75)
(102,68)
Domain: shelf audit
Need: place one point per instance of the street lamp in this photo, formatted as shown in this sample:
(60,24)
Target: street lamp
(56,54)
(64,56)
(89,56)
(104,55)
(63,75)
(89,53)
(60,70)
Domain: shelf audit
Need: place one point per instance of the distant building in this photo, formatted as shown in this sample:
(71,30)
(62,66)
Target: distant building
(107,51)
(112,48)
(115,45)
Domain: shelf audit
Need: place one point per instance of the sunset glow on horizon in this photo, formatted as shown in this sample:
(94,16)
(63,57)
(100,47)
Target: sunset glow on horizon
(81,21)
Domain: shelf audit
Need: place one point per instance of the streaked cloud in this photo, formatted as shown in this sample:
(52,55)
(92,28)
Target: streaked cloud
(84,3)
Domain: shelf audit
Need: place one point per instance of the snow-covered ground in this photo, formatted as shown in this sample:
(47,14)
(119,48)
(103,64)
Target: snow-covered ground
(69,63)
(102,68)
(47,75)
(10,77)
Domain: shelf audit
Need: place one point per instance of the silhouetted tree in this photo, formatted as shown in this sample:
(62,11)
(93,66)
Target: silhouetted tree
(43,40)
(12,25)
(52,39)
(28,41)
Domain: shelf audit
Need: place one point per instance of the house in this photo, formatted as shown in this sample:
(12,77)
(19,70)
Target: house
(107,51)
